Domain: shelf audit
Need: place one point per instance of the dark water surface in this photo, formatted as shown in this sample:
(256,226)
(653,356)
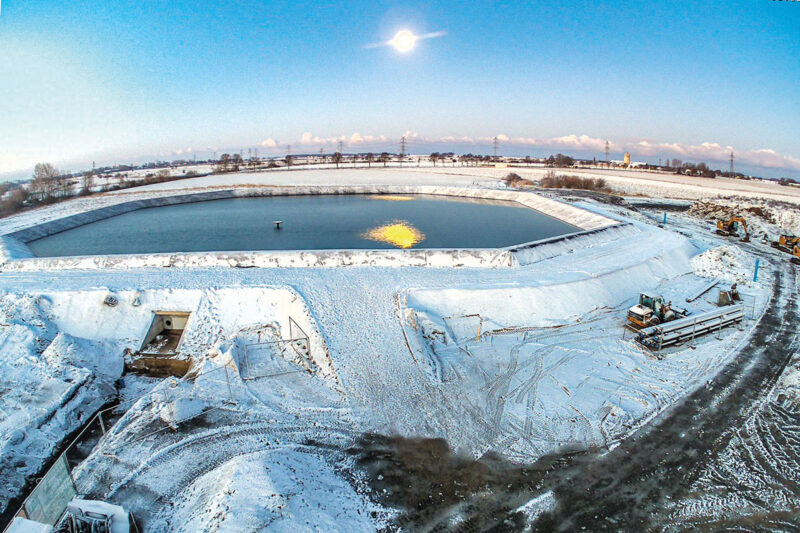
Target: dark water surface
(309,223)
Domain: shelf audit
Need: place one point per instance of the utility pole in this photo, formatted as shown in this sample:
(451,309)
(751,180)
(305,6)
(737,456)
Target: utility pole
(733,174)
(340,147)
(494,142)
(402,149)
(608,161)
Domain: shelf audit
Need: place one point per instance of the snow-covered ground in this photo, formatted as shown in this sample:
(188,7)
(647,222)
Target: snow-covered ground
(51,382)
(521,361)
(626,182)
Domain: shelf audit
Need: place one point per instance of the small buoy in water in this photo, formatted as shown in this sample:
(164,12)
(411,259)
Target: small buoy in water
(277,223)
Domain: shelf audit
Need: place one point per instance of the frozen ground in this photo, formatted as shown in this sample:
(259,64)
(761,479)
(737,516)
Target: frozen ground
(521,361)
(627,182)
(51,382)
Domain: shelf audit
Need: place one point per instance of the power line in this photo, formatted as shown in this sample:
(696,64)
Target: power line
(733,175)
(402,149)
(341,144)
(494,142)
(607,151)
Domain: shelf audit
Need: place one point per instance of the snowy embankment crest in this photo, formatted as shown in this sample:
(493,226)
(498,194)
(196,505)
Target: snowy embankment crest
(552,304)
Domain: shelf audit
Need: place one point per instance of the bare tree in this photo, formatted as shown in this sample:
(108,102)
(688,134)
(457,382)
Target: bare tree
(12,200)
(87,182)
(370,158)
(384,158)
(337,158)
(224,163)
(433,157)
(45,182)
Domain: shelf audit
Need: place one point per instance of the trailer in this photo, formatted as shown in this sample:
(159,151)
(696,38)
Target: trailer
(677,331)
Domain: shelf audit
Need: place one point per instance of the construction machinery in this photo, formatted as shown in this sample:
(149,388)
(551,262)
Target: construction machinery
(796,255)
(786,243)
(652,310)
(730,228)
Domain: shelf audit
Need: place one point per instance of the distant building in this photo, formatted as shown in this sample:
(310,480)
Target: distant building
(627,159)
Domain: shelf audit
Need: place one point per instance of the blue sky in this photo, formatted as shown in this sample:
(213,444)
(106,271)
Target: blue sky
(123,81)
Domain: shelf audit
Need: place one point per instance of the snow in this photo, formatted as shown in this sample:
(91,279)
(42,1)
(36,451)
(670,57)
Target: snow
(522,358)
(181,410)
(119,518)
(283,490)
(538,505)
(23,525)
(51,383)
(630,182)
(727,262)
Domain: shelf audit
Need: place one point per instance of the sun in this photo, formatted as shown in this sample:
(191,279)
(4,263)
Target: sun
(403,41)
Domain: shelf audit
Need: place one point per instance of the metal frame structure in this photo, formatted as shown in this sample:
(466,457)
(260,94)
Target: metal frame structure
(97,419)
(296,335)
(677,331)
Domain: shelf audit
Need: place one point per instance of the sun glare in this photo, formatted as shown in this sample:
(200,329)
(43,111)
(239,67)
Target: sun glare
(400,233)
(403,41)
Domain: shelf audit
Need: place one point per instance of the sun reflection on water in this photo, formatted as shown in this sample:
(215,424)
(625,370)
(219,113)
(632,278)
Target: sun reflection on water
(399,233)
(391,197)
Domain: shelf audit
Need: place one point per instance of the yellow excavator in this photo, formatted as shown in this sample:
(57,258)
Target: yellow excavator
(786,243)
(730,228)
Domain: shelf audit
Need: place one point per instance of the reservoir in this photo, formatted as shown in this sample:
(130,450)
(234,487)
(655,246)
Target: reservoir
(318,222)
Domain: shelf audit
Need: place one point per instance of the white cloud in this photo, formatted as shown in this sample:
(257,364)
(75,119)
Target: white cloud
(269,143)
